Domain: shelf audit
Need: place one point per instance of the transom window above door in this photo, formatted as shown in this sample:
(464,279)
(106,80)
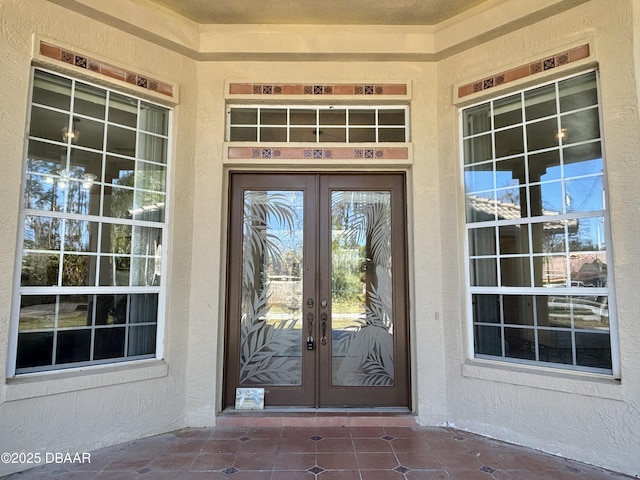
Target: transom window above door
(320,124)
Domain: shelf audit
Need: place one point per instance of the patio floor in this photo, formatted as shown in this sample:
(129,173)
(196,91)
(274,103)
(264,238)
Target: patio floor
(316,449)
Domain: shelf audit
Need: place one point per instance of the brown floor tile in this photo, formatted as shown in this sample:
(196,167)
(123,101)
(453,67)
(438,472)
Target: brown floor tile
(295,461)
(376,461)
(337,461)
(221,446)
(252,461)
(427,475)
(338,475)
(333,432)
(410,444)
(212,461)
(381,475)
(327,445)
(458,460)
(173,462)
(371,445)
(283,475)
(262,445)
(418,460)
(367,432)
(468,475)
(294,445)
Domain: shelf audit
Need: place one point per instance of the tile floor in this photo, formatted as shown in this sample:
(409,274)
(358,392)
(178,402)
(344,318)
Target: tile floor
(318,453)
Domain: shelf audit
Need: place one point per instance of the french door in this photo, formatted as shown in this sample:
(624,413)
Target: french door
(316,289)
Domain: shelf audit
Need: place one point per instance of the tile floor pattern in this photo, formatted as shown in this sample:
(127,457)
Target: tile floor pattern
(320,453)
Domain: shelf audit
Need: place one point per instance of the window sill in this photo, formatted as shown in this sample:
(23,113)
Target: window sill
(579,383)
(51,383)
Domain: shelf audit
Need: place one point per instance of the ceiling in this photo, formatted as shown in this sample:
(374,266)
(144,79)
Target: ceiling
(320,12)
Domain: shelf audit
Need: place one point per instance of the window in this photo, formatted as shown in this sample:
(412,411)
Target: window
(536,219)
(93,223)
(317,124)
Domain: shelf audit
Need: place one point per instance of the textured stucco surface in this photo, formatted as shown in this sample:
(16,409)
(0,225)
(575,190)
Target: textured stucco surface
(578,416)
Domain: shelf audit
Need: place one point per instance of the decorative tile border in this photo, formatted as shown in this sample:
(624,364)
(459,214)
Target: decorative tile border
(82,61)
(316,89)
(533,68)
(304,153)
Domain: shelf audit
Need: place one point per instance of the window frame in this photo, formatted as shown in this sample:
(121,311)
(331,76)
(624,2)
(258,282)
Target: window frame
(96,289)
(318,125)
(529,222)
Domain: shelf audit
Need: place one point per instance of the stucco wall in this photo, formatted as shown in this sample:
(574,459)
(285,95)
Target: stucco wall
(81,411)
(578,416)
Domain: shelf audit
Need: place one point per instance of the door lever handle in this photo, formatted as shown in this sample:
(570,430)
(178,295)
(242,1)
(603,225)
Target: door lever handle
(323,321)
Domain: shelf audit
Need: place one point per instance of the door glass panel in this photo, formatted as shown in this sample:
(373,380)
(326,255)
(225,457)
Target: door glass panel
(271,312)
(361,311)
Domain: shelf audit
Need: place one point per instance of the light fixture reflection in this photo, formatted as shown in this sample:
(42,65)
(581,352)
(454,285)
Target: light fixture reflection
(71,133)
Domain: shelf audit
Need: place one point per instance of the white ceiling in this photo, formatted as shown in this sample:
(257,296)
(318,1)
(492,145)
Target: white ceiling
(320,12)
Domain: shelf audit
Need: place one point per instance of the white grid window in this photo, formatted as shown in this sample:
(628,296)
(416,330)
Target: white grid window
(317,124)
(93,227)
(539,276)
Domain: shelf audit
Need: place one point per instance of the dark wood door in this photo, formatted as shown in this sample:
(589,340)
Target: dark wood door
(316,289)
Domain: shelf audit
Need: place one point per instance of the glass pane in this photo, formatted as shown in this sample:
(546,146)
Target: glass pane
(518,309)
(391,117)
(268,134)
(542,134)
(546,199)
(482,241)
(81,236)
(553,311)
(509,205)
(121,141)
(116,238)
(361,135)
(544,166)
(363,117)
(89,133)
(273,116)
(144,308)
(391,135)
(146,241)
(514,239)
(587,235)
(41,233)
(520,343)
(109,343)
(146,271)
(152,148)
(154,119)
(114,271)
(477,120)
(111,309)
(333,135)
(590,312)
(149,206)
(477,149)
(118,202)
(549,237)
(481,207)
(86,166)
(244,116)
(333,117)
(48,124)
(142,340)
(540,102)
(478,178)
(585,194)
(510,173)
(51,90)
(593,350)
(488,340)
(123,110)
(588,269)
(271,326)
(486,309)
(362,344)
(550,271)
(302,117)
(515,272)
(243,134)
(39,270)
(509,142)
(78,270)
(73,311)
(73,346)
(150,176)
(90,101)
(578,92)
(37,312)
(83,197)
(484,272)
(555,346)
(34,349)
(580,126)
(583,159)
(507,111)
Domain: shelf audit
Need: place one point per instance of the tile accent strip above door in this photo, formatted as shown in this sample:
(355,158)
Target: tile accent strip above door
(339,153)
(316,89)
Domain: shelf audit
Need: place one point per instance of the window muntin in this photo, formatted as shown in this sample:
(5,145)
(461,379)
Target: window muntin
(93,226)
(317,124)
(536,227)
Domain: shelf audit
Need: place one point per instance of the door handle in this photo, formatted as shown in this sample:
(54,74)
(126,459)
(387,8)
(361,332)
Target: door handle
(323,321)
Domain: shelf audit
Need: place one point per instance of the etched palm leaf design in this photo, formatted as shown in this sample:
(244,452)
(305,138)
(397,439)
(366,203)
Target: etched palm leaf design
(364,222)
(267,341)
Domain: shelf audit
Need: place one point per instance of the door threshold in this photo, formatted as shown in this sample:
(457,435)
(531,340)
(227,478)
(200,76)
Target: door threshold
(317,417)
